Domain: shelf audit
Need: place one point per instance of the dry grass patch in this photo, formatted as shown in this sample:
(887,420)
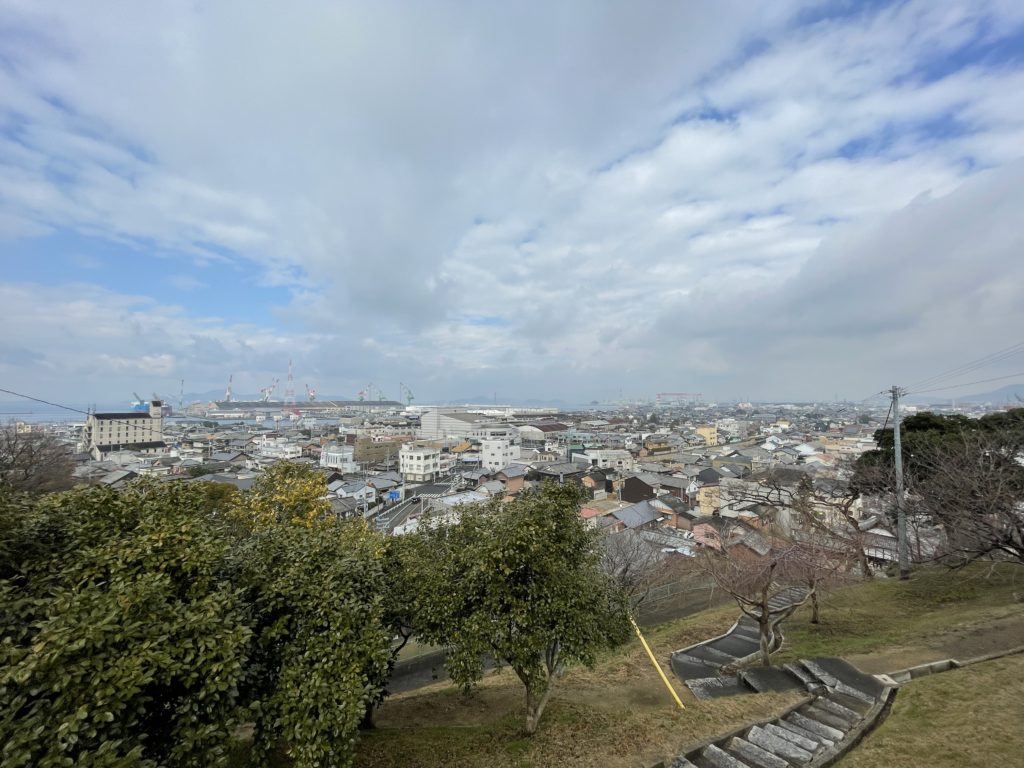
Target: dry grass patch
(965,717)
(920,615)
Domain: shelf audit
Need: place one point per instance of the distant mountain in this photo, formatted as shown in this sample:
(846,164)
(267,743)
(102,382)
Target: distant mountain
(214,395)
(1007,394)
(530,402)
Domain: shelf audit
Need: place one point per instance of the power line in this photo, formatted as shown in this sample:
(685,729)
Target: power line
(127,421)
(966,384)
(974,365)
(44,402)
(886,423)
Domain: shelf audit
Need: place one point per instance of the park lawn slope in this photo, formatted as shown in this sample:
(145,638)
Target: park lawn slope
(618,714)
(966,717)
(886,624)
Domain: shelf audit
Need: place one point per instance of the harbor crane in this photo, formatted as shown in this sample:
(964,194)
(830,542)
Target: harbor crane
(310,394)
(227,392)
(266,392)
(407,393)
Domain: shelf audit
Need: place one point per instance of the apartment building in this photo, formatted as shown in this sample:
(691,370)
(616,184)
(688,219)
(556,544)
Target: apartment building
(497,453)
(136,431)
(419,463)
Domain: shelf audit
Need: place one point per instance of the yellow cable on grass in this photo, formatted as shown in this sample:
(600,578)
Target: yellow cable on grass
(657,666)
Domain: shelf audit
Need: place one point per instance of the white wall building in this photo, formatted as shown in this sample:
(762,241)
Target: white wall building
(608,458)
(419,463)
(497,454)
(277,448)
(438,424)
(136,431)
(339,457)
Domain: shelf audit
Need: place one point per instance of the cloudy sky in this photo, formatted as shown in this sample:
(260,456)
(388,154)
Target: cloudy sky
(525,200)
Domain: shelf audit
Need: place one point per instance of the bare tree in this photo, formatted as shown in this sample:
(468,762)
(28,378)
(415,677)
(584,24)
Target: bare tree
(973,488)
(633,564)
(825,511)
(754,580)
(33,462)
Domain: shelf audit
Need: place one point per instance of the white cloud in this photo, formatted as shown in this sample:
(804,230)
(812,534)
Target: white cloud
(624,188)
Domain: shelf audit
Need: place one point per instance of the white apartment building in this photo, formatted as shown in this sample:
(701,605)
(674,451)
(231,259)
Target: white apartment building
(448,423)
(136,431)
(277,448)
(419,463)
(498,431)
(339,457)
(608,458)
(497,454)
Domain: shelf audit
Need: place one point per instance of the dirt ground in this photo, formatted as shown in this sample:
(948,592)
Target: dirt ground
(961,643)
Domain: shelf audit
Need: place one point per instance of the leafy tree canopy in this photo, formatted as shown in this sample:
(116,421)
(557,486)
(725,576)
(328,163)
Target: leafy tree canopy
(121,643)
(521,583)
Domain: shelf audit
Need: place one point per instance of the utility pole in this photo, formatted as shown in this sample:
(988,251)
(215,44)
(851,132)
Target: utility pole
(901,514)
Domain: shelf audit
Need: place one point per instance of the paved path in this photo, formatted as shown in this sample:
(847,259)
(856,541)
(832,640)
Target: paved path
(699,665)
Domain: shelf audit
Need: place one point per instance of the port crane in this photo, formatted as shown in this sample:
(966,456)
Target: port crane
(266,392)
(407,393)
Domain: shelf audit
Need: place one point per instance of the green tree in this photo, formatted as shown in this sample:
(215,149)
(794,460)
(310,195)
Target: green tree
(322,642)
(962,474)
(520,583)
(285,493)
(120,641)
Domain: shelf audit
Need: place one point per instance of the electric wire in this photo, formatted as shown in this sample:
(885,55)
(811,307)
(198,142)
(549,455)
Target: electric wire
(127,422)
(966,384)
(961,370)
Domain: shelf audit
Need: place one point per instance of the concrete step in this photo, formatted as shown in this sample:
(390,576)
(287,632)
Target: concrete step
(845,678)
(710,655)
(800,731)
(681,762)
(837,709)
(735,645)
(688,667)
(770,680)
(777,745)
(753,755)
(812,725)
(717,687)
(716,757)
(746,630)
(804,742)
(859,706)
(824,716)
(810,682)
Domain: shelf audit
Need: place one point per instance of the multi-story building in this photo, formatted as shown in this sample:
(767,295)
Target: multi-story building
(497,453)
(448,423)
(339,457)
(278,448)
(136,431)
(709,433)
(419,463)
(607,458)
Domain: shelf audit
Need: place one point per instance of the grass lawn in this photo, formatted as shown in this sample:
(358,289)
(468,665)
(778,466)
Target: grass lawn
(619,714)
(887,624)
(965,717)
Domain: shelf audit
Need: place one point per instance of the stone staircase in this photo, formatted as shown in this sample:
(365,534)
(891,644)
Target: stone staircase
(843,703)
(699,665)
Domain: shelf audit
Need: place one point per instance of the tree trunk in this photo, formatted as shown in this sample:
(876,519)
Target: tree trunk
(766,639)
(535,707)
(815,619)
(862,558)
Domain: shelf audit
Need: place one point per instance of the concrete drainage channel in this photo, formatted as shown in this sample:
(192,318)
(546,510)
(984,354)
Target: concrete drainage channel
(842,705)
